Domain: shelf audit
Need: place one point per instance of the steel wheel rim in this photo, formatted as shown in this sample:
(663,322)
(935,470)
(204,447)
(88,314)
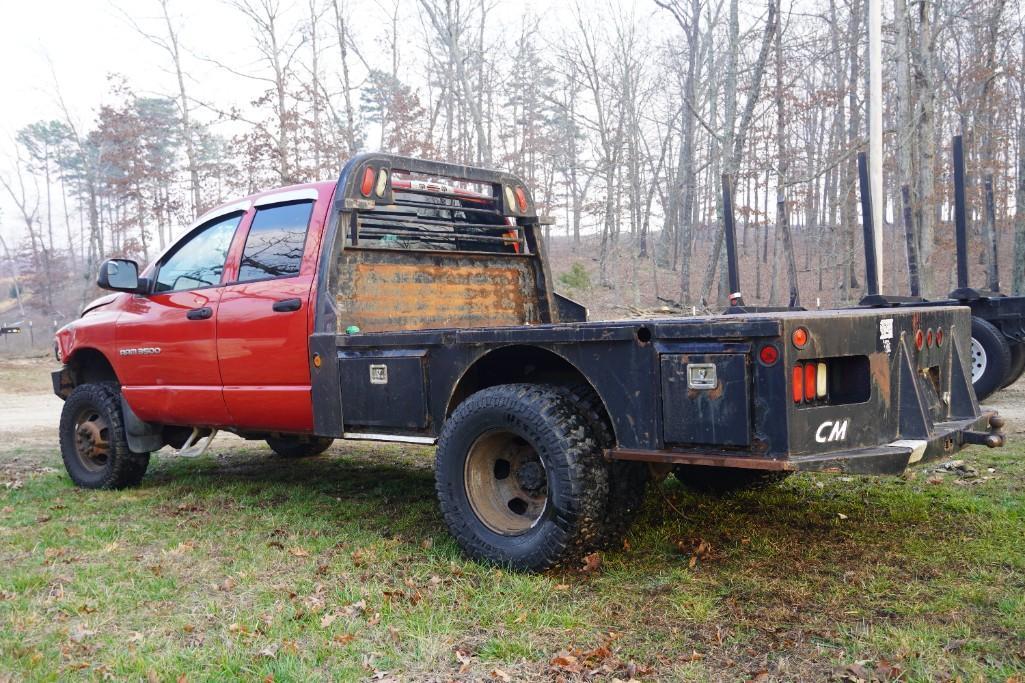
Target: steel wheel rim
(978,360)
(92,439)
(506,483)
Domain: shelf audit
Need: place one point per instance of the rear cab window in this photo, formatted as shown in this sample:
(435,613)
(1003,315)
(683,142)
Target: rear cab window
(275,243)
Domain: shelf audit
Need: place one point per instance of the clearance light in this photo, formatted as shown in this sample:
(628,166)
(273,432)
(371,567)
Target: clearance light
(820,380)
(368,182)
(919,340)
(798,383)
(799,337)
(521,199)
(939,336)
(382,183)
(768,354)
(928,338)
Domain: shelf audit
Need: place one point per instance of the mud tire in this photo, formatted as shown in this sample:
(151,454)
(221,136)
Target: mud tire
(118,468)
(628,481)
(572,520)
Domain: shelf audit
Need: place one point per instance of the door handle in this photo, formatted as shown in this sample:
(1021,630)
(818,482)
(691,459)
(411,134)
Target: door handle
(287,305)
(200,313)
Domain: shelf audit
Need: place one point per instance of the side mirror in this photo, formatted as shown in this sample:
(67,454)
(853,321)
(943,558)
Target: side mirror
(118,274)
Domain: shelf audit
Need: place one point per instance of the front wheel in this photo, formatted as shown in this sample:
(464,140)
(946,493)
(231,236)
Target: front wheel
(520,478)
(92,440)
(991,358)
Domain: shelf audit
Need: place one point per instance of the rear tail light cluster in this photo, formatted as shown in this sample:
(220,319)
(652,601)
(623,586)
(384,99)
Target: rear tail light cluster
(810,381)
(374,181)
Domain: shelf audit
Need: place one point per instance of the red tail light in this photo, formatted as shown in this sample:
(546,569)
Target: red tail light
(809,381)
(368,181)
(798,383)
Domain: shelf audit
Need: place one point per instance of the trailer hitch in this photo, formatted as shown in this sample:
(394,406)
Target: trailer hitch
(992,439)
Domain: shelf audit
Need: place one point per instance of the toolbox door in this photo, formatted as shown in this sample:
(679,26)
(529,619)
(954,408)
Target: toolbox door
(705,399)
(384,389)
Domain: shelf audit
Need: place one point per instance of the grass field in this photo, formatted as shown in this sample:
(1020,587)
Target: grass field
(241,565)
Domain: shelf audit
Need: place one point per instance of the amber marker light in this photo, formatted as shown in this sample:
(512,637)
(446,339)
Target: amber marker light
(799,337)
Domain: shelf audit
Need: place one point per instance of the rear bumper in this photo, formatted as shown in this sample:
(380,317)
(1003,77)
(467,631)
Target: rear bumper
(947,438)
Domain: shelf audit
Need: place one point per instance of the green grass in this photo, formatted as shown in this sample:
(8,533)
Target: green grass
(242,566)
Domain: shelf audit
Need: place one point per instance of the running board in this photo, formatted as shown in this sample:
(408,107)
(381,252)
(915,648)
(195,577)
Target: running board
(397,438)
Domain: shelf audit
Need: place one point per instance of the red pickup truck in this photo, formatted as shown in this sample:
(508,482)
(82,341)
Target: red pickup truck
(412,301)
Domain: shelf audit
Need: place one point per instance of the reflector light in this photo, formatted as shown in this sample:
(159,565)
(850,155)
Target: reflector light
(768,354)
(368,182)
(928,339)
(798,383)
(919,340)
(799,337)
(939,336)
(521,199)
(820,381)
(382,183)
(809,381)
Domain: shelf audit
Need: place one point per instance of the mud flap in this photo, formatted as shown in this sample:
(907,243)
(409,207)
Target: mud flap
(142,437)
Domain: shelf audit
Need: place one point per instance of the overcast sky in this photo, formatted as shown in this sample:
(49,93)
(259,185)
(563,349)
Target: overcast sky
(73,46)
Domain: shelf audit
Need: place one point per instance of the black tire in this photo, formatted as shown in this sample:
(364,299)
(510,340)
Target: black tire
(628,481)
(1017,364)
(723,480)
(92,440)
(299,447)
(544,424)
(990,358)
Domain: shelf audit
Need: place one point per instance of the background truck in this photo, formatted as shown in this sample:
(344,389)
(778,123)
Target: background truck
(412,301)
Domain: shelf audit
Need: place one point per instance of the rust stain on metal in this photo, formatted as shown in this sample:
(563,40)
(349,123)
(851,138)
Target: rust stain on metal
(879,369)
(690,458)
(387,294)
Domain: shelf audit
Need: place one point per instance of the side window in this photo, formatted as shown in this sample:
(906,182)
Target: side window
(274,247)
(199,261)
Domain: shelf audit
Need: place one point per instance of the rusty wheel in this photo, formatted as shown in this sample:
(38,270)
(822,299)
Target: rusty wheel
(92,439)
(506,483)
(520,478)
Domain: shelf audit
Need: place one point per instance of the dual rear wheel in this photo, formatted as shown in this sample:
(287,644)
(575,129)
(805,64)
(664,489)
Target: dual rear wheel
(522,481)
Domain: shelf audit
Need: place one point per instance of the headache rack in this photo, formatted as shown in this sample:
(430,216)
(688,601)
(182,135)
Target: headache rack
(394,202)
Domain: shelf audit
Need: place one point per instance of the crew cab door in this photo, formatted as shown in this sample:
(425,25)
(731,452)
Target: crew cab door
(263,317)
(166,339)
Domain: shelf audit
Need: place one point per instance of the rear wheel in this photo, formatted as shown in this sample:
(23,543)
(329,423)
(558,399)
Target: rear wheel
(720,480)
(92,440)
(520,478)
(1017,364)
(628,481)
(990,357)
(299,447)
